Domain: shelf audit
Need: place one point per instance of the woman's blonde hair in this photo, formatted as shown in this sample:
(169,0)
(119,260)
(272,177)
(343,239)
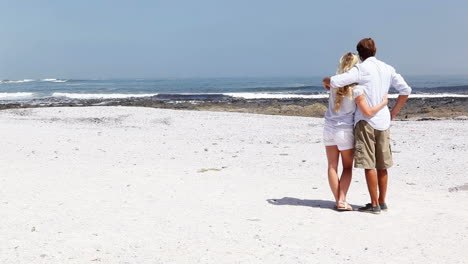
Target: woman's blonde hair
(347,62)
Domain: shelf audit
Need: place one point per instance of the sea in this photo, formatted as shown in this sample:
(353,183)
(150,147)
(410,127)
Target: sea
(205,88)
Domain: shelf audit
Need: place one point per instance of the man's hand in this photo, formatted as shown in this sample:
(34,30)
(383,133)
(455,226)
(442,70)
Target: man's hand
(401,100)
(326,83)
(393,114)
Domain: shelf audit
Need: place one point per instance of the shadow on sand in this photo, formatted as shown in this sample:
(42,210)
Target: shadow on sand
(323,204)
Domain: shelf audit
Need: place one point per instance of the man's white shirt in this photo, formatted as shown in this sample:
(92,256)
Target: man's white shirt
(376,78)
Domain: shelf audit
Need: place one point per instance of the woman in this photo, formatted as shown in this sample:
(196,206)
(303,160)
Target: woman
(338,131)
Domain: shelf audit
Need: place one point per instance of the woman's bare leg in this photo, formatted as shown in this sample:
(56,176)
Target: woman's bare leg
(333,155)
(347,174)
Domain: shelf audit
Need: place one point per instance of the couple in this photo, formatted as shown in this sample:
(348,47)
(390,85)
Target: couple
(357,123)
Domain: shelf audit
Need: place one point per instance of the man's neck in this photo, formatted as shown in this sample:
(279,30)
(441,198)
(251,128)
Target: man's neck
(371,57)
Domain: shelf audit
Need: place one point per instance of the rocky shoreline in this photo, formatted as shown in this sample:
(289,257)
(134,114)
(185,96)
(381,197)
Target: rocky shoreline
(415,109)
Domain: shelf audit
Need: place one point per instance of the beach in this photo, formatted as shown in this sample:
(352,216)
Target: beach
(127,184)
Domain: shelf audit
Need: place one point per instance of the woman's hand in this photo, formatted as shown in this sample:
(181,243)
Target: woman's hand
(385,99)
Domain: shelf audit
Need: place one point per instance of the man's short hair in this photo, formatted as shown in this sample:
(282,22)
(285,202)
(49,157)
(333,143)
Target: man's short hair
(366,48)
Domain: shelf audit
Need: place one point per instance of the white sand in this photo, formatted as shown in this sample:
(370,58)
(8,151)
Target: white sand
(142,185)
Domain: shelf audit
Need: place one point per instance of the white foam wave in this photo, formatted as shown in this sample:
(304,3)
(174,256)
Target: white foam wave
(17,81)
(33,80)
(275,95)
(99,96)
(297,85)
(442,95)
(318,96)
(13,96)
(53,80)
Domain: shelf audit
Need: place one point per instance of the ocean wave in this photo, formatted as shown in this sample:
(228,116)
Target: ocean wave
(13,96)
(34,80)
(99,96)
(275,95)
(437,95)
(54,80)
(192,96)
(277,89)
(296,85)
(17,81)
(325,95)
(462,89)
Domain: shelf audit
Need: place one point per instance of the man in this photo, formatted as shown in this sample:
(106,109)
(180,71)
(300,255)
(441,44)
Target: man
(372,135)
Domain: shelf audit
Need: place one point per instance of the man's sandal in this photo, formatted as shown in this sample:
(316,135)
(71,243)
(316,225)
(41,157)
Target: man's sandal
(370,209)
(383,206)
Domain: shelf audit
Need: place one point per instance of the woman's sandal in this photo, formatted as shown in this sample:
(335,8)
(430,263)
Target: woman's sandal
(344,206)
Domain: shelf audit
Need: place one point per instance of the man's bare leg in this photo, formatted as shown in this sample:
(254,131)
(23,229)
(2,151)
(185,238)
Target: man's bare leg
(372,186)
(382,176)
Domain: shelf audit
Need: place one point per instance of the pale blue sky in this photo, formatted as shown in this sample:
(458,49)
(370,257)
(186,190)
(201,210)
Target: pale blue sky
(215,38)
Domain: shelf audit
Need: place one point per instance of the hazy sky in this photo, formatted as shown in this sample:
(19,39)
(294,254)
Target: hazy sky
(217,38)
